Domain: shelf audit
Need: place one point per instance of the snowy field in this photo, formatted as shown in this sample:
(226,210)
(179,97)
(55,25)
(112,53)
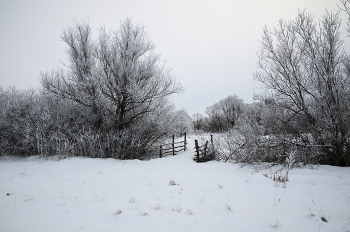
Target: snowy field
(169,194)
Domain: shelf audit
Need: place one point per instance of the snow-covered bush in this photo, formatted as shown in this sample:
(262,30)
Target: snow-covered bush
(239,144)
(248,147)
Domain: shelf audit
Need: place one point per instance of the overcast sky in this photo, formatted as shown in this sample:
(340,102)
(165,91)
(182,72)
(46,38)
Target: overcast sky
(210,45)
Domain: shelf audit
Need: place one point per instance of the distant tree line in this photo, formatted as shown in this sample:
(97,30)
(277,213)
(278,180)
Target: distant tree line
(110,100)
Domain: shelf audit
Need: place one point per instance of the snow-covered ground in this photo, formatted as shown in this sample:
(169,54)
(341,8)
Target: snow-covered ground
(169,194)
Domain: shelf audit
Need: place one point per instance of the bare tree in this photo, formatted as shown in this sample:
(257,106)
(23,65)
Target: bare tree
(121,85)
(254,111)
(304,66)
(346,9)
(215,119)
(182,122)
(78,82)
(131,75)
(224,114)
(232,108)
(198,121)
(119,76)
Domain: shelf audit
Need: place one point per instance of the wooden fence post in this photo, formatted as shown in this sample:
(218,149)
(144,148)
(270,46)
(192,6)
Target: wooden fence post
(197,149)
(185,142)
(173,145)
(160,152)
(205,149)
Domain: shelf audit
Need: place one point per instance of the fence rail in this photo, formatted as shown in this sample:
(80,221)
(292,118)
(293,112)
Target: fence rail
(165,150)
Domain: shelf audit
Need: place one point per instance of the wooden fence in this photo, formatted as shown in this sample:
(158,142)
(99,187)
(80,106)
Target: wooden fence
(171,148)
(204,152)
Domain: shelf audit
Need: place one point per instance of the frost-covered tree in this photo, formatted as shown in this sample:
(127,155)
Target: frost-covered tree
(346,8)
(304,66)
(215,119)
(232,108)
(120,84)
(182,122)
(224,114)
(198,121)
(118,77)
(254,111)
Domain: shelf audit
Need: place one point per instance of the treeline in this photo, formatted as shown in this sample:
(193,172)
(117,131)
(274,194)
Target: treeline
(225,115)
(110,100)
(304,70)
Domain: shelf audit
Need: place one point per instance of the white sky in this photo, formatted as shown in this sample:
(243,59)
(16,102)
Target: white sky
(211,45)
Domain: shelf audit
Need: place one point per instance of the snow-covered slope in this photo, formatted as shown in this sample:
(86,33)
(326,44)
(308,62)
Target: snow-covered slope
(169,194)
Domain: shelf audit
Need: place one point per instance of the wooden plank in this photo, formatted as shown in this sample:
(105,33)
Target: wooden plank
(179,142)
(173,144)
(185,142)
(179,146)
(212,144)
(179,150)
(165,149)
(201,146)
(205,148)
(167,152)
